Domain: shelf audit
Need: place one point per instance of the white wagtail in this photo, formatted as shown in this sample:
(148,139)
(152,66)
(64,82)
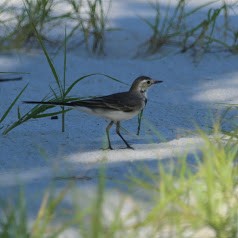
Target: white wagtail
(115,107)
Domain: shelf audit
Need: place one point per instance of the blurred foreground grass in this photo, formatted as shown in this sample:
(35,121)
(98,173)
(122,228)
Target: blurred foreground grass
(182,202)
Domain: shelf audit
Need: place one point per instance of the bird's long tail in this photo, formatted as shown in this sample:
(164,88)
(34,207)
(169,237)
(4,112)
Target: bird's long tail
(50,103)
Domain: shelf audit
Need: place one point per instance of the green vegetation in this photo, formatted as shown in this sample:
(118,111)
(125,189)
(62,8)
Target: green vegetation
(92,23)
(184,200)
(171,27)
(198,200)
(87,17)
(5,114)
(89,24)
(165,27)
(187,202)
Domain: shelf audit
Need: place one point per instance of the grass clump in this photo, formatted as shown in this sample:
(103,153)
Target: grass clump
(20,32)
(170,28)
(6,19)
(14,220)
(88,23)
(201,36)
(53,219)
(196,200)
(40,12)
(208,34)
(165,27)
(91,19)
(88,17)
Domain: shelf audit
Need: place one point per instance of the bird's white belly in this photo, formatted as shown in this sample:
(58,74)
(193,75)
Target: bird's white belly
(118,115)
(111,115)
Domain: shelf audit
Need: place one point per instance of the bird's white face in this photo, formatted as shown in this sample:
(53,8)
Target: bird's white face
(145,84)
(142,84)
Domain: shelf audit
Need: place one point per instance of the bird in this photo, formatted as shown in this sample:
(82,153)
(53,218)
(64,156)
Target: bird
(115,107)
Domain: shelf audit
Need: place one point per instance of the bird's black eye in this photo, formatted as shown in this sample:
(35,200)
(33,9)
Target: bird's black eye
(148,82)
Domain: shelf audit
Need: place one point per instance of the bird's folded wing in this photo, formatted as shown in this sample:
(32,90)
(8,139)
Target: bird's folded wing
(117,102)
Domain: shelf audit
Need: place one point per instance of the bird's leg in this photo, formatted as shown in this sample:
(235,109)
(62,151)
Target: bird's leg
(118,132)
(108,136)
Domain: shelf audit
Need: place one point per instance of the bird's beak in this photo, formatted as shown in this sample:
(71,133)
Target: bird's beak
(157,81)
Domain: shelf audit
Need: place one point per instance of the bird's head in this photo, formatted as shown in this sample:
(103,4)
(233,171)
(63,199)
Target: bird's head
(142,83)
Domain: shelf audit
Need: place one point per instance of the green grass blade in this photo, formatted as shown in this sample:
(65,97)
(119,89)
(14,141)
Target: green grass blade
(114,79)
(13,72)
(51,113)
(147,22)
(64,79)
(18,113)
(76,82)
(65,59)
(50,62)
(12,104)
(140,115)
(89,75)
(200,7)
